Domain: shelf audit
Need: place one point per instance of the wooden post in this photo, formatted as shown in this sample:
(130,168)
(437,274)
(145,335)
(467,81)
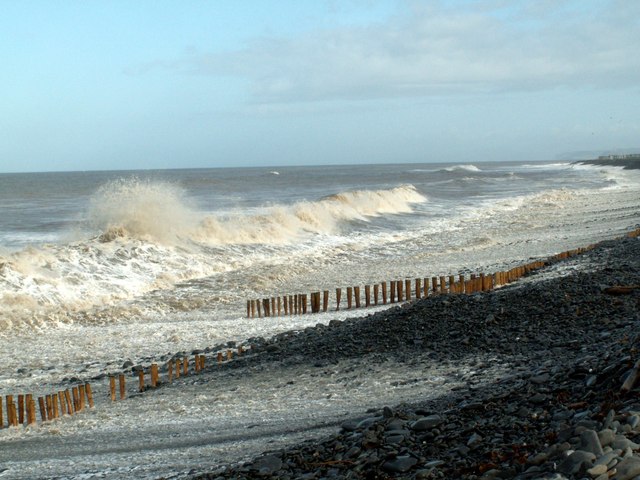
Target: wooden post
(443,284)
(13,416)
(259,308)
(43,409)
(304,303)
(253,308)
(452,281)
(202,361)
(31,409)
(273,307)
(170,370)
(67,398)
(121,381)
(219,357)
(21,409)
(48,405)
(87,388)
(63,403)
(81,394)
(325,300)
(425,286)
(266,307)
(400,293)
(154,375)
(248,308)
(313,303)
(356,294)
(229,354)
(296,299)
(185,366)
(141,380)
(112,388)
(418,288)
(338,295)
(279,306)
(12,419)
(349,297)
(54,405)
(1,419)
(407,289)
(468,286)
(376,290)
(285,301)
(28,398)
(434,285)
(384,293)
(392,291)
(461,282)
(240,350)
(367,295)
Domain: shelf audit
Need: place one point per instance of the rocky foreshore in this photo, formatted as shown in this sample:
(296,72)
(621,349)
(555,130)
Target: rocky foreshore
(569,408)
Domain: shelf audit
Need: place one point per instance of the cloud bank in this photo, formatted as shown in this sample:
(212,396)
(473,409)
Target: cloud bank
(439,49)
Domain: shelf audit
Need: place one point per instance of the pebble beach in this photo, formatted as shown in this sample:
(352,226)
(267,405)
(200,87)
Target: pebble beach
(565,405)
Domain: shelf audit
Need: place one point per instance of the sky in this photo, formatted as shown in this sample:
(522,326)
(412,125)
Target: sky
(100,85)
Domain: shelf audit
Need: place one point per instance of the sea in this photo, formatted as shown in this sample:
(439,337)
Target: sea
(100,268)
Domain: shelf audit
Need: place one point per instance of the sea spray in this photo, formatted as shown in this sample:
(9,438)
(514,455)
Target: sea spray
(157,211)
(150,237)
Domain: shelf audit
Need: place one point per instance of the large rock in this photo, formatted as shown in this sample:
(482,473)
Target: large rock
(427,423)
(628,468)
(577,462)
(267,465)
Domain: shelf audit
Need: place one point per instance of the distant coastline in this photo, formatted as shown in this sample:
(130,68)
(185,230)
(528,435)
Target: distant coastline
(629,161)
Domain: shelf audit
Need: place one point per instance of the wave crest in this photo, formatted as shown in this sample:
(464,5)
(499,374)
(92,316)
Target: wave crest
(141,209)
(280,224)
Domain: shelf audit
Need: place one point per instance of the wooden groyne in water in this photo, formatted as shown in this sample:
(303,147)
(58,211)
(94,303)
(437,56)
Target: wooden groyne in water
(396,291)
(20,410)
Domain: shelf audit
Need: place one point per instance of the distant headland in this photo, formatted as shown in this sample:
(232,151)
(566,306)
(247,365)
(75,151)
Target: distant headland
(630,161)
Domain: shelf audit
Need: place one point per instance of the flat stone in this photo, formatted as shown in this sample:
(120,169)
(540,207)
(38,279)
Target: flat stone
(628,468)
(589,442)
(394,439)
(606,437)
(622,443)
(427,423)
(577,461)
(540,379)
(597,470)
(400,464)
(606,458)
(267,465)
(538,398)
(474,440)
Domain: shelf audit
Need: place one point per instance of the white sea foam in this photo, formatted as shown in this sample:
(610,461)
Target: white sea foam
(152,238)
(464,168)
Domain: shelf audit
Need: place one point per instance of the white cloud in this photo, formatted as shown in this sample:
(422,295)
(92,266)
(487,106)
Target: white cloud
(441,50)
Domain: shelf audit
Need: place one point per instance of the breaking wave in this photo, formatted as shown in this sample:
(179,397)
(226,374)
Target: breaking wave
(160,212)
(462,168)
(149,237)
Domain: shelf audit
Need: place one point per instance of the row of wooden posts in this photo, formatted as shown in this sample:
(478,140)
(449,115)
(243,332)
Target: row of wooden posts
(78,398)
(395,290)
(55,405)
(175,368)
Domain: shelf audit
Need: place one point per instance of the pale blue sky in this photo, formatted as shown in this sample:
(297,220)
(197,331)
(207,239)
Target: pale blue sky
(90,85)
